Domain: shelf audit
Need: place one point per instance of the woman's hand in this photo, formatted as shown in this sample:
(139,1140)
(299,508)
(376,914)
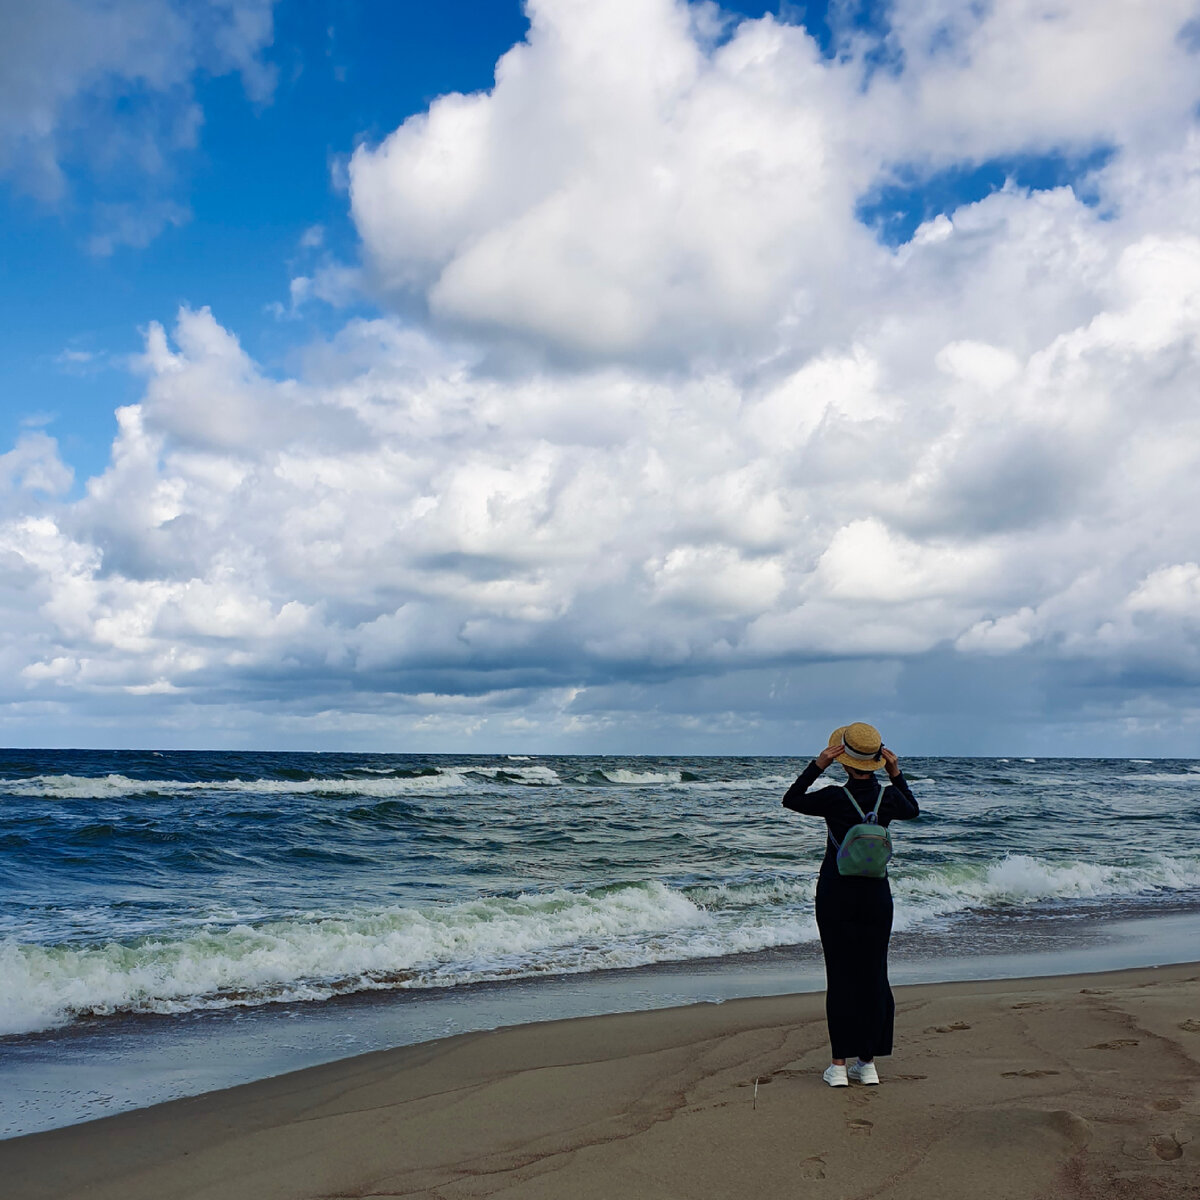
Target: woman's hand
(890,761)
(828,756)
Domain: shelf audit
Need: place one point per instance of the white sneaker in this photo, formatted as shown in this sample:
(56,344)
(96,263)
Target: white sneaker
(835,1076)
(863,1072)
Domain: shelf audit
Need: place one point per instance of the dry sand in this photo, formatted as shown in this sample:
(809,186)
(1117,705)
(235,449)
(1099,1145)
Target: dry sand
(1073,1087)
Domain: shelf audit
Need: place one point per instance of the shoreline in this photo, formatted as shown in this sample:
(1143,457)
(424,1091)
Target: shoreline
(1078,1085)
(91,1070)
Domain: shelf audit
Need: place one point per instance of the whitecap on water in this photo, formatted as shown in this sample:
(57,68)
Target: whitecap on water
(640,778)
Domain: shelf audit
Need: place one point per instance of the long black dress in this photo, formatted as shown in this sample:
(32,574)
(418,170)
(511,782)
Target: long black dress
(854,915)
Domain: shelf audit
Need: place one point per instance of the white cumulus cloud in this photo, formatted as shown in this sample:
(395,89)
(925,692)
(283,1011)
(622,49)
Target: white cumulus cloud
(660,441)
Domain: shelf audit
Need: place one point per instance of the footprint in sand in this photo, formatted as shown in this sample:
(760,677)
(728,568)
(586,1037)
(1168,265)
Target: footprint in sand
(1166,1147)
(958,1025)
(1029,1004)
(1190,1026)
(859,1125)
(811,1168)
(1094,991)
(907,1078)
(1115,1044)
(1027,1074)
(1166,1105)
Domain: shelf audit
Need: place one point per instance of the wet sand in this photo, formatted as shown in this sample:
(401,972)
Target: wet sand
(1084,1087)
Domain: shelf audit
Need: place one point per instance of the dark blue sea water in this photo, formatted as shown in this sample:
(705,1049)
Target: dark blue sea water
(182,884)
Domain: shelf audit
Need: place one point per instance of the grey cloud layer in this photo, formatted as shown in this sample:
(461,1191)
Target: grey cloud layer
(683,449)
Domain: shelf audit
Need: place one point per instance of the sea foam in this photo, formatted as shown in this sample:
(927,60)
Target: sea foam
(378,784)
(559,931)
(307,959)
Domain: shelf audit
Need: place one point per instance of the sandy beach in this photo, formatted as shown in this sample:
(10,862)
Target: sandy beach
(1074,1086)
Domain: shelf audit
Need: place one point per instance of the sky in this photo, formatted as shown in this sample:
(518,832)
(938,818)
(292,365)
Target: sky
(636,377)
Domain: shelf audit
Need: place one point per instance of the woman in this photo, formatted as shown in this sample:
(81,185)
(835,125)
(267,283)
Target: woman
(854,912)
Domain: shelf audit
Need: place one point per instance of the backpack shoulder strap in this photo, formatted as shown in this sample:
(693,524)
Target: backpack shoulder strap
(872,819)
(862,815)
(883,787)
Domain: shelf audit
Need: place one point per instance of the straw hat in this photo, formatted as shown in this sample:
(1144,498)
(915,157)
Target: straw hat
(863,745)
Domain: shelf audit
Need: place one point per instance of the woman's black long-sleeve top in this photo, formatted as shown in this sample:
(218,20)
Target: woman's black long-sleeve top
(899,804)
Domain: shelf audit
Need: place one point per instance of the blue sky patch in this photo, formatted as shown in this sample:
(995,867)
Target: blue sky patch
(896,209)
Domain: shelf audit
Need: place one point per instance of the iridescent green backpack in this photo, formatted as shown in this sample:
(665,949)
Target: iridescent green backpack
(867,847)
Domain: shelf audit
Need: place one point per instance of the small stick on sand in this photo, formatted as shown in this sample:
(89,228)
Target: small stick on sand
(754,1102)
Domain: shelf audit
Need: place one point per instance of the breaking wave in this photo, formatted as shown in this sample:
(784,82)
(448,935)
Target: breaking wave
(560,931)
(377,783)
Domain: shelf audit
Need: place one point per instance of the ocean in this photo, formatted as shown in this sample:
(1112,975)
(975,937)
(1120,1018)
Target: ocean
(176,921)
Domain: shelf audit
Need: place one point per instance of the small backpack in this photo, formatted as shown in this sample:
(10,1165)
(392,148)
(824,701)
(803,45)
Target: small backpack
(866,848)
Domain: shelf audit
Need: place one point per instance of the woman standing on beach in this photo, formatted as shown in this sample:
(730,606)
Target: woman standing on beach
(854,912)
